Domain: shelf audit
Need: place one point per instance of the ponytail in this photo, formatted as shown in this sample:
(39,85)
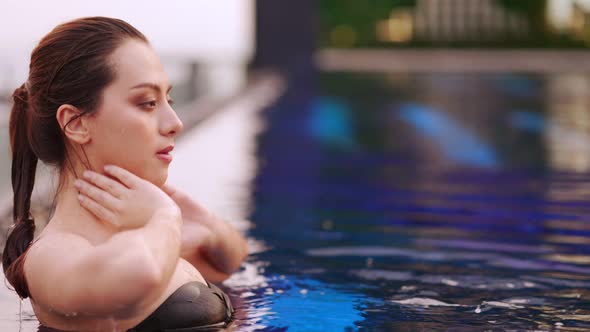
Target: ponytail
(24,164)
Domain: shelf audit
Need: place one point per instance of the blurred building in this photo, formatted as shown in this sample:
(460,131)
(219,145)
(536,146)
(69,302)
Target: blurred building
(464,20)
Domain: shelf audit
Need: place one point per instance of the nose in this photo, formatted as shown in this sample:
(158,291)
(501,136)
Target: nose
(170,124)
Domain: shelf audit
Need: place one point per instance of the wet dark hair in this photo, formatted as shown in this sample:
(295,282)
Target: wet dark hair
(71,65)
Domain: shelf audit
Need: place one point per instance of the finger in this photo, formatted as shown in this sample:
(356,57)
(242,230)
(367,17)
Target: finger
(175,193)
(179,196)
(187,204)
(98,195)
(105,183)
(96,209)
(127,178)
(168,189)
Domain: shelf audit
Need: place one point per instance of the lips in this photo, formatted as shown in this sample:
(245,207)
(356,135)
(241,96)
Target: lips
(166,149)
(165,155)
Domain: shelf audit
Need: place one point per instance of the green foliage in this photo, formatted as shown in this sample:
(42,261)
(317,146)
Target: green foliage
(525,6)
(360,15)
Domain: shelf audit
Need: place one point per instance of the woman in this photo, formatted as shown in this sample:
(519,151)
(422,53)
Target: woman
(123,250)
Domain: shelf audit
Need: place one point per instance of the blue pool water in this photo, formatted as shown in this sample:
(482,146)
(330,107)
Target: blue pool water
(423,202)
(417,203)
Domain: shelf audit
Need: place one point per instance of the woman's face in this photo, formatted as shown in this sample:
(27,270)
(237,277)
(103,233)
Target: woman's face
(135,120)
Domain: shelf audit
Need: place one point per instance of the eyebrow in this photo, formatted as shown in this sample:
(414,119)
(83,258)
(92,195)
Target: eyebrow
(153,86)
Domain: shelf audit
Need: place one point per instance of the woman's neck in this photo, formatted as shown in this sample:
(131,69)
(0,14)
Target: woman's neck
(70,216)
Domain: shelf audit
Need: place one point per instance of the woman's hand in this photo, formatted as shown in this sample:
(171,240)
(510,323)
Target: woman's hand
(196,232)
(123,199)
(190,208)
(208,242)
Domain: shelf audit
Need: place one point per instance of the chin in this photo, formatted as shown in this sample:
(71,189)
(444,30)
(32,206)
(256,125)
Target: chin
(156,176)
(160,179)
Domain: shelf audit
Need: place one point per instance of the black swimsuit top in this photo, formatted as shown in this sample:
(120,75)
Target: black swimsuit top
(192,307)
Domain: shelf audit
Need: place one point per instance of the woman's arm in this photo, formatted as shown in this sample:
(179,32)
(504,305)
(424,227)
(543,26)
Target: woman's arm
(216,254)
(118,278)
(210,243)
(225,247)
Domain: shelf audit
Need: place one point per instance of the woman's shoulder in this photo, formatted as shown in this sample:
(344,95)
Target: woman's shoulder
(50,252)
(51,241)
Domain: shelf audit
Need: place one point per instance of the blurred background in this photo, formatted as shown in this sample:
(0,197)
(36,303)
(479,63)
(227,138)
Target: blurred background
(397,165)
(455,23)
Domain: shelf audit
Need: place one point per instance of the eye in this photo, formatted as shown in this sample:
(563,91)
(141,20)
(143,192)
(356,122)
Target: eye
(148,104)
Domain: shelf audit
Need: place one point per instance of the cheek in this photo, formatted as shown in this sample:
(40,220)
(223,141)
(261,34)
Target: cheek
(127,141)
(134,140)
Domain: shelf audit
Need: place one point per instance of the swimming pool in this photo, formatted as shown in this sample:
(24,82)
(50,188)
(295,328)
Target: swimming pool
(423,202)
(419,202)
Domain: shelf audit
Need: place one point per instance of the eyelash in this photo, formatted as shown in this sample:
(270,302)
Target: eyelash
(148,104)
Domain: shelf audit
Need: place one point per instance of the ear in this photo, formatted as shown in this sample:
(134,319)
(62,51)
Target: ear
(77,126)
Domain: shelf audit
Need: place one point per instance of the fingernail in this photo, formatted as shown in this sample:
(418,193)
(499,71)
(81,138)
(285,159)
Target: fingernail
(77,183)
(80,198)
(86,174)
